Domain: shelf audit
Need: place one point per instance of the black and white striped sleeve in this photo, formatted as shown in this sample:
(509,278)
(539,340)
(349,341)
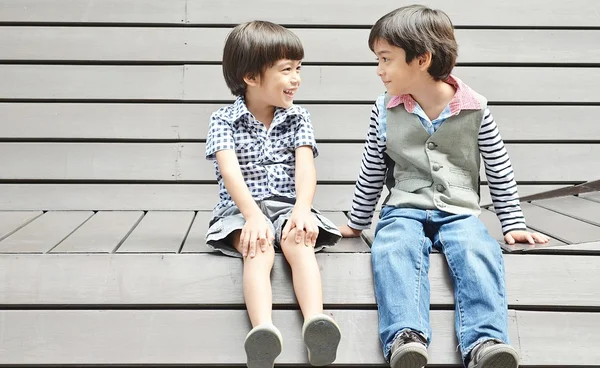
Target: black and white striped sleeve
(500,176)
(372,173)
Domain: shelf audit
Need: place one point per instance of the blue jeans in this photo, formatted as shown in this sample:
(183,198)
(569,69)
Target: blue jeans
(404,238)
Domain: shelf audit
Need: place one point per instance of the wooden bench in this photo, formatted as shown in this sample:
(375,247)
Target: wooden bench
(105,195)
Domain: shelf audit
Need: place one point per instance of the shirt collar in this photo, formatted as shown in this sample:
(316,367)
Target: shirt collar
(464,98)
(241,110)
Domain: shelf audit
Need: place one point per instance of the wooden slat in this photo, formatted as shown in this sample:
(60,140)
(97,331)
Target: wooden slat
(572,206)
(471,12)
(206,279)
(331,121)
(105,11)
(100,234)
(538,332)
(490,220)
(465,13)
(12,221)
(44,233)
(562,227)
(166,197)
(321,45)
(195,241)
(355,245)
(595,196)
(91,82)
(173,337)
(185,161)
(329,83)
(158,232)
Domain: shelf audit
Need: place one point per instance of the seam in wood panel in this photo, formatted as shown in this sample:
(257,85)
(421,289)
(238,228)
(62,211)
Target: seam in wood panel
(21,226)
(129,232)
(71,233)
(187,233)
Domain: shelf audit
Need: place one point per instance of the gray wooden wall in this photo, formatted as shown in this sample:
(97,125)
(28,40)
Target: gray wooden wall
(105,194)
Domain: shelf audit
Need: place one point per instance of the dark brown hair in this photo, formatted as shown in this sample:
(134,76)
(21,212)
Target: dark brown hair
(252,47)
(418,29)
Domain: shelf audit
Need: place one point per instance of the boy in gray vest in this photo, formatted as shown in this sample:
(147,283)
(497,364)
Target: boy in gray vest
(424,142)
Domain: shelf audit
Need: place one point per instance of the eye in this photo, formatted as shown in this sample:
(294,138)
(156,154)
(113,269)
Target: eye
(299,67)
(288,69)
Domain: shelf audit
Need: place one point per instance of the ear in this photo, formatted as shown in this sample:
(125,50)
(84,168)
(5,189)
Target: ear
(251,79)
(424,61)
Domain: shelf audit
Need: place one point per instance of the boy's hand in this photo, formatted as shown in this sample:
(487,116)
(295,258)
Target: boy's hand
(256,232)
(303,220)
(348,232)
(522,236)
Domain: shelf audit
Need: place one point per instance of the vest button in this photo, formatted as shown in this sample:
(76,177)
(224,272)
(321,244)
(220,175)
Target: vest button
(440,188)
(435,167)
(431,145)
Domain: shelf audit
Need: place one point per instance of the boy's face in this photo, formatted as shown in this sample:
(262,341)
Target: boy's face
(278,84)
(397,75)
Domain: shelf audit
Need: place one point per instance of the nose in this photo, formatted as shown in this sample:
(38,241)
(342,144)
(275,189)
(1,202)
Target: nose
(379,70)
(296,79)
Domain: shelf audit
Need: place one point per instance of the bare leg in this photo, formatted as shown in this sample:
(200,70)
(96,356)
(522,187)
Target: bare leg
(306,275)
(257,283)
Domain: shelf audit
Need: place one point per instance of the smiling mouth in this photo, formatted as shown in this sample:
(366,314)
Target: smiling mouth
(289,92)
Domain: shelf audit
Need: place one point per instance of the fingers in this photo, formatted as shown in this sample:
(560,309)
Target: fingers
(286,230)
(245,238)
(262,241)
(270,237)
(509,239)
(530,239)
(540,238)
(252,247)
(299,232)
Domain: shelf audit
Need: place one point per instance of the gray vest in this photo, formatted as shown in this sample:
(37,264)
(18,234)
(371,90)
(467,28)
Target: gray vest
(438,171)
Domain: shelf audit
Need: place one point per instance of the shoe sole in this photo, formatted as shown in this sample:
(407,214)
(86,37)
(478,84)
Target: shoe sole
(322,337)
(262,348)
(409,357)
(503,357)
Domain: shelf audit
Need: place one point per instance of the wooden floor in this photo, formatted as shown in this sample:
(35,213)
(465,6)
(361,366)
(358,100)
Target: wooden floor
(105,195)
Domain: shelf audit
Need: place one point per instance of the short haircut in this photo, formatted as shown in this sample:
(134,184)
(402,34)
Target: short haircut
(418,29)
(252,47)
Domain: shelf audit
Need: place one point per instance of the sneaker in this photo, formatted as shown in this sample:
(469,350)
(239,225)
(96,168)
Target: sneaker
(263,344)
(321,336)
(409,350)
(494,354)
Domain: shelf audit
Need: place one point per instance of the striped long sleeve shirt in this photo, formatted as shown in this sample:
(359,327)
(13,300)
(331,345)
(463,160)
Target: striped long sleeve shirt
(498,168)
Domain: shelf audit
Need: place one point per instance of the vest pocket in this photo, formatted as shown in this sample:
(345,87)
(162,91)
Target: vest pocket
(460,178)
(412,184)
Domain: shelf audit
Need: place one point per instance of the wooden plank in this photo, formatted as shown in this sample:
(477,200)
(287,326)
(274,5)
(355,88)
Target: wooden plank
(185,161)
(492,223)
(538,331)
(91,82)
(195,241)
(534,13)
(105,11)
(166,197)
(553,281)
(559,226)
(173,337)
(331,121)
(100,234)
(473,13)
(572,206)
(331,83)
(345,245)
(158,232)
(148,44)
(321,83)
(44,233)
(11,221)
(591,196)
